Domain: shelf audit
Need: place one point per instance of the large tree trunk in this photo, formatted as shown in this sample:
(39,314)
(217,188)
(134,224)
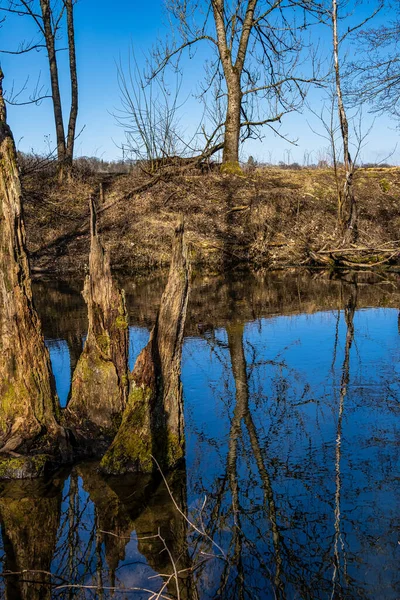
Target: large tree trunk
(74,84)
(232,122)
(152,424)
(55,85)
(233,71)
(100,381)
(28,404)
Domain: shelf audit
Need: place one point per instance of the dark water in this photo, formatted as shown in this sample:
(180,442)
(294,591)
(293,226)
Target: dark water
(292,481)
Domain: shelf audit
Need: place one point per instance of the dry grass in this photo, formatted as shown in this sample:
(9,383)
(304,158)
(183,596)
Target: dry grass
(269,218)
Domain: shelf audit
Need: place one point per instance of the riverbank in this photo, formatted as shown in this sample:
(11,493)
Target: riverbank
(267,218)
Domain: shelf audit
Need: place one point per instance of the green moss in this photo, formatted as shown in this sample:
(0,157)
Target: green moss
(132,447)
(231,168)
(121,322)
(13,397)
(174,450)
(131,453)
(23,467)
(136,443)
(103,342)
(8,399)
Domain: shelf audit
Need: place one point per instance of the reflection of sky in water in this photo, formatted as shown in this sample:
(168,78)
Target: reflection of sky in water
(294,388)
(61,365)
(320,480)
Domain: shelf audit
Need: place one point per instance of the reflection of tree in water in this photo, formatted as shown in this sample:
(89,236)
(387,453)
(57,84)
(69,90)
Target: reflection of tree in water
(103,524)
(242,413)
(277,546)
(282,519)
(30,515)
(339,577)
(246,565)
(86,550)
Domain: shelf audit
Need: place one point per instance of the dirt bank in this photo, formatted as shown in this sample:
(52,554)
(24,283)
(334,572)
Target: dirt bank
(270,218)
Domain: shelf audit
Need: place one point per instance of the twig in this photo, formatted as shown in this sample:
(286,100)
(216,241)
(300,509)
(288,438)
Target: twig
(183,514)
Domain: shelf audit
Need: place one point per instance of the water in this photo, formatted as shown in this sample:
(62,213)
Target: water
(291,487)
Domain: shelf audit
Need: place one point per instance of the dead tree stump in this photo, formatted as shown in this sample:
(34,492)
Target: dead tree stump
(153,424)
(100,380)
(29,408)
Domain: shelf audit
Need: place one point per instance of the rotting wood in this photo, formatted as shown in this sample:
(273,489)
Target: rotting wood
(29,408)
(100,381)
(152,424)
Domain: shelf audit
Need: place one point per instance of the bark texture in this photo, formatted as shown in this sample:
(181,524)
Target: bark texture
(100,381)
(152,424)
(29,409)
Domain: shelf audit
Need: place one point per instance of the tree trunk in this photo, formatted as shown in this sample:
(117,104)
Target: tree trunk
(100,381)
(348,222)
(232,122)
(152,424)
(55,86)
(28,404)
(232,71)
(74,84)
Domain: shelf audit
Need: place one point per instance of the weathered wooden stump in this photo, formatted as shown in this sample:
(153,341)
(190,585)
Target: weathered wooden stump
(152,423)
(29,408)
(100,380)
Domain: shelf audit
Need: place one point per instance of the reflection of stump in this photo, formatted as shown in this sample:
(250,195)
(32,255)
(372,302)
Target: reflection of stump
(29,523)
(112,520)
(162,516)
(28,403)
(100,381)
(153,420)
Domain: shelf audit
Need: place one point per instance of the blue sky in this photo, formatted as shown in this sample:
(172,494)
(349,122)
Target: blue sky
(103,37)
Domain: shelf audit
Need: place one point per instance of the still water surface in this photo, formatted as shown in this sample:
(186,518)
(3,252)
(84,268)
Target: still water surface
(291,487)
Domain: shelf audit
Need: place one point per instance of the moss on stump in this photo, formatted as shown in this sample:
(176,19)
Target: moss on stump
(152,424)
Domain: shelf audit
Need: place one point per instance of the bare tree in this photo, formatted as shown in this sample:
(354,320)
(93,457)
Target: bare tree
(149,115)
(48,16)
(254,68)
(348,190)
(332,132)
(377,72)
(73,115)
(339,16)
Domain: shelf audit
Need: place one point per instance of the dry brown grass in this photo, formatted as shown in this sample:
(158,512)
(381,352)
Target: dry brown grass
(269,218)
